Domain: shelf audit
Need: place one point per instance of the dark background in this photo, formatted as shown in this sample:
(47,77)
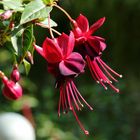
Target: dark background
(115,116)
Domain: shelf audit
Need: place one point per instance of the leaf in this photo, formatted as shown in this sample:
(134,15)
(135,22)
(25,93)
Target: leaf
(27,66)
(16,40)
(22,40)
(45,23)
(35,10)
(1,11)
(15,5)
(27,38)
(31,101)
(48,2)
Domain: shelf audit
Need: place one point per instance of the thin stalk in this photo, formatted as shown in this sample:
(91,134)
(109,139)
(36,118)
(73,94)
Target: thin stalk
(66,13)
(55,31)
(50,29)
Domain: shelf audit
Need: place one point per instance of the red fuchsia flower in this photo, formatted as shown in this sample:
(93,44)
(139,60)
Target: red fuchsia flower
(65,64)
(58,52)
(83,33)
(11,90)
(15,75)
(91,47)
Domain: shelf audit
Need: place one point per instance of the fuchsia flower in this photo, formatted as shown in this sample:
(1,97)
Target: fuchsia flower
(83,33)
(11,90)
(91,48)
(58,53)
(65,64)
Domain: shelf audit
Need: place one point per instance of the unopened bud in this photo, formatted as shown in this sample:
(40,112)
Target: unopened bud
(6,15)
(15,75)
(30,57)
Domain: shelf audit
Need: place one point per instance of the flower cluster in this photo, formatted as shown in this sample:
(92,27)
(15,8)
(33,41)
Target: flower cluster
(67,57)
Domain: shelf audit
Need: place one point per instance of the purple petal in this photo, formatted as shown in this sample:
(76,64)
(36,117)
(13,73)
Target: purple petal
(97,44)
(73,65)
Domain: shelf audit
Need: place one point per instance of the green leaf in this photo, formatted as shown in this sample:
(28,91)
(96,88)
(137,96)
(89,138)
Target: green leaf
(49,2)
(22,41)
(15,5)
(35,10)
(31,101)
(16,40)
(1,11)
(27,66)
(45,23)
(27,38)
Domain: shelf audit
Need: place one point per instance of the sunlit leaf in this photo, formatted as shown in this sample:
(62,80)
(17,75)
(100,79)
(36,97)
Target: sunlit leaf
(35,10)
(15,5)
(45,23)
(48,1)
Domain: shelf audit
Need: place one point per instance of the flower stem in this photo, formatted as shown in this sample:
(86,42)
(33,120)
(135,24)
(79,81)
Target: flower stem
(66,13)
(50,29)
(42,25)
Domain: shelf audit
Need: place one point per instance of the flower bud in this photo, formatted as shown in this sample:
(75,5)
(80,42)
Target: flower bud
(6,15)
(11,90)
(15,75)
(29,57)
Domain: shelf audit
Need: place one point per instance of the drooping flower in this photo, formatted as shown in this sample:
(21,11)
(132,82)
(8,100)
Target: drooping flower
(59,54)
(11,90)
(91,48)
(65,65)
(83,33)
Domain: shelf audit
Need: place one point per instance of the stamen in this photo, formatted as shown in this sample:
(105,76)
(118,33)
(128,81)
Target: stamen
(94,68)
(121,76)
(114,88)
(92,73)
(74,87)
(110,68)
(77,98)
(66,105)
(68,97)
(98,60)
(71,92)
(59,105)
(62,101)
(80,124)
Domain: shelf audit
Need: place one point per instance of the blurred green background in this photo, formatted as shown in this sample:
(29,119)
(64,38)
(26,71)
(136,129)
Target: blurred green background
(115,116)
